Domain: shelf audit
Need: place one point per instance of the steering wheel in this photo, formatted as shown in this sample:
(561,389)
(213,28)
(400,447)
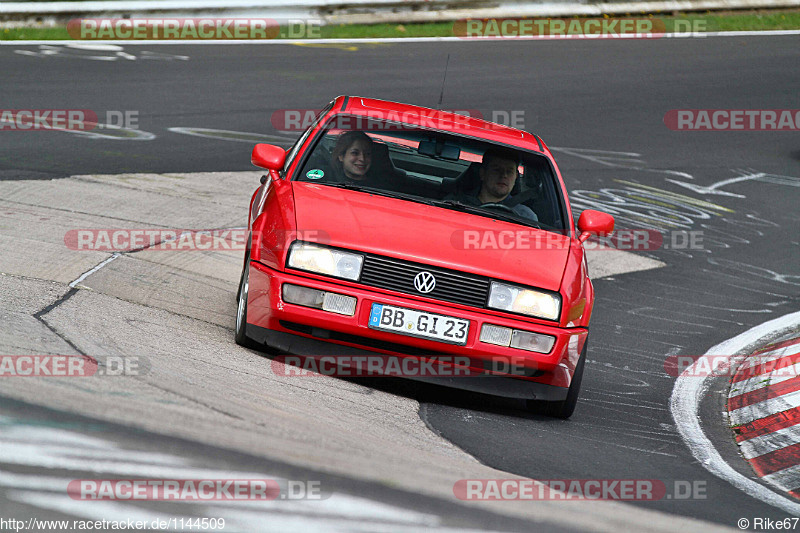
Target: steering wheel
(499,207)
(507,209)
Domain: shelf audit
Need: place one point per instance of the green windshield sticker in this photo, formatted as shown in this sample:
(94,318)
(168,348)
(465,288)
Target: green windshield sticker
(315,174)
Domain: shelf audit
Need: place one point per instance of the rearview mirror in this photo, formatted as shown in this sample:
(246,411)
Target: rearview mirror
(594,222)
(439,149)
(268,156)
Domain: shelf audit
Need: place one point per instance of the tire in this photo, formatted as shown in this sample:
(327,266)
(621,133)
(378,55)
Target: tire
(241,309)
(563,408)
(244,267)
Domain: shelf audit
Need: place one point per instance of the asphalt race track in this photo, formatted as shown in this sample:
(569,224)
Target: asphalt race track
(386,451)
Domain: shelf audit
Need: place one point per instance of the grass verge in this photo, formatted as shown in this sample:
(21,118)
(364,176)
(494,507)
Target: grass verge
(709,22)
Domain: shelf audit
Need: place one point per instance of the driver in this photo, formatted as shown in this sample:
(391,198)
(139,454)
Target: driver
(498,174)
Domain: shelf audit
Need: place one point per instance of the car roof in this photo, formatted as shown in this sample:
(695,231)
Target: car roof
(440,120)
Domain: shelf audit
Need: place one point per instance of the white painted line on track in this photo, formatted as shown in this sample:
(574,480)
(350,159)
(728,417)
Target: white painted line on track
(93,270)
(51,448)
(379,40)
(91,510)
(105,262)
(685,403)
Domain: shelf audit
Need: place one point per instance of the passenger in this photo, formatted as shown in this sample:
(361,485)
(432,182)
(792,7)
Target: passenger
(498,174)
(352,156)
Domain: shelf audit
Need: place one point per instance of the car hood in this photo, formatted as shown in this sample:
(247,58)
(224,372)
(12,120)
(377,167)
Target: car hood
(430,235)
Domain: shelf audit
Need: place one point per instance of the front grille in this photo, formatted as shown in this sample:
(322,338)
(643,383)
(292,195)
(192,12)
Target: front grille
(451,286)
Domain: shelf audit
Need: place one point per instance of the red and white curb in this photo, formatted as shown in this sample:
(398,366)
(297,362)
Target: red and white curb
(764,410)
(685,401)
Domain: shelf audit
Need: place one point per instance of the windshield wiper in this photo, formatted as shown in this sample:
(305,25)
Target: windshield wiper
(453,204)
(478,210)
(447,204)
(350,186)
(382,192)
(508,217)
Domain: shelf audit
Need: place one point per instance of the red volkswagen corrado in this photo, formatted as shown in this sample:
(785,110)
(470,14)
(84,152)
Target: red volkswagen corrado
(395,229)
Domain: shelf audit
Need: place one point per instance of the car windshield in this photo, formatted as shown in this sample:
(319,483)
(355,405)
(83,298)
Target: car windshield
(437,168)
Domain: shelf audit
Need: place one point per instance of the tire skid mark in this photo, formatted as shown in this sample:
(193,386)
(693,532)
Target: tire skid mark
(622,288)
(655,208)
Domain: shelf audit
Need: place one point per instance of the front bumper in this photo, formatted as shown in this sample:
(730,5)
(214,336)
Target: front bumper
(295,329)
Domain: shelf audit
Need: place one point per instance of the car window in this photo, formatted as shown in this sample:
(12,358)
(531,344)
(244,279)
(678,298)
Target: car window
(292,152)
(439,168)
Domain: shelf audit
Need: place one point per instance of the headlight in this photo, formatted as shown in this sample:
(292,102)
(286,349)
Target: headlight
(313,258)
(526,301)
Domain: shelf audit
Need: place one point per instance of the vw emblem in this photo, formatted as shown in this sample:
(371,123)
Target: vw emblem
(424,282)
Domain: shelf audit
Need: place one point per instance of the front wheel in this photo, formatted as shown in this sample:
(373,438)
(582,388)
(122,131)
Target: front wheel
(563,408)
(244,267)
(241,309)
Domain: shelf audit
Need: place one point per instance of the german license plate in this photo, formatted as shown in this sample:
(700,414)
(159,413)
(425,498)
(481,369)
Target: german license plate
(419,323)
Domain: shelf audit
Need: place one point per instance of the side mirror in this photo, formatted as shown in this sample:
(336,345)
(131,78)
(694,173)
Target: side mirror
(268,156)
(594,222)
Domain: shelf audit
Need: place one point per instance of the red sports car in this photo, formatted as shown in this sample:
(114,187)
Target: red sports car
(395,229)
